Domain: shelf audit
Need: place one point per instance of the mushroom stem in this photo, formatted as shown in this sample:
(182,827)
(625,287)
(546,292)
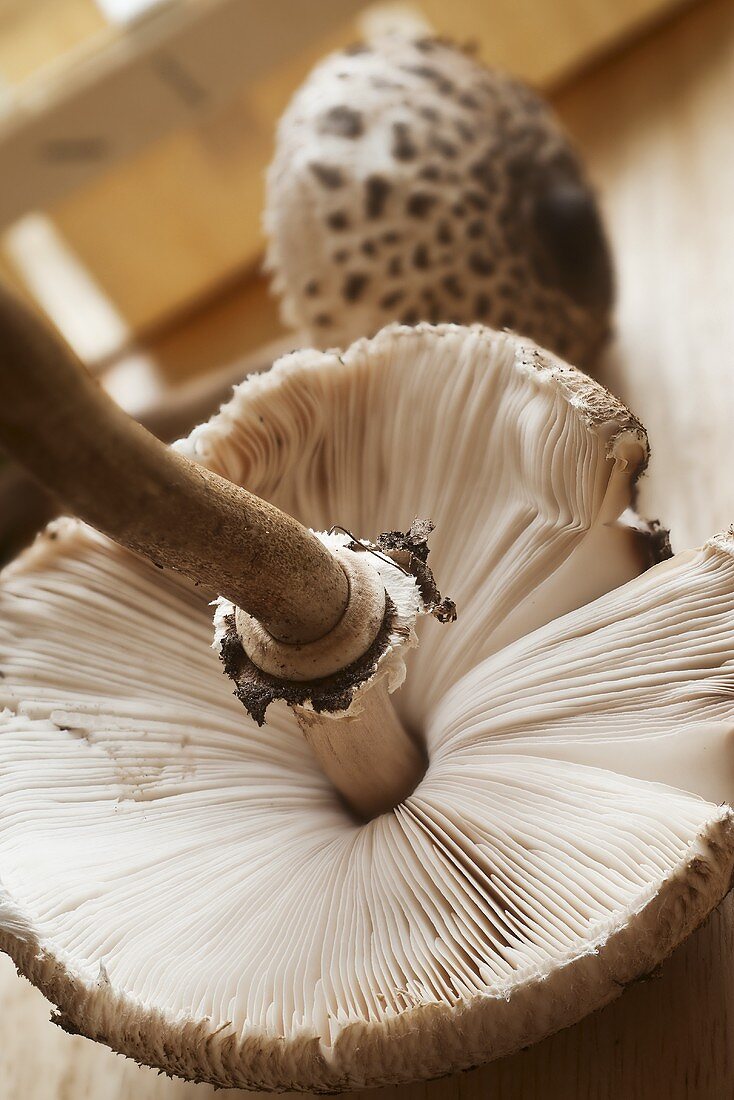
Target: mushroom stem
(58,423)
(339,686)
(371,760)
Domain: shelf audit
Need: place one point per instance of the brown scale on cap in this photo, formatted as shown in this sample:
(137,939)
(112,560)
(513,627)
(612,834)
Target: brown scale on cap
(464,178)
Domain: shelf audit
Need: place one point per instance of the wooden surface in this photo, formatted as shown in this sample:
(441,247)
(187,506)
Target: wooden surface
(33,33)
(545,43)
(118,92)
(657,127)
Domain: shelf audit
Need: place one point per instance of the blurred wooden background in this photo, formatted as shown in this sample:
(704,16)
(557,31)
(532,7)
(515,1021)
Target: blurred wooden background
(146,146)
(654,118)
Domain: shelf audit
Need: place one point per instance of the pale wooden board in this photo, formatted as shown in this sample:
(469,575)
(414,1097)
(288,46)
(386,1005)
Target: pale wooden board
(148,146)
(656,125)
(168,71)
(34,33)
(543,42)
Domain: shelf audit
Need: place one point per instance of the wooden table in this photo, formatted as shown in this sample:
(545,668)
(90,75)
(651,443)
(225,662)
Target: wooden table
(656,124)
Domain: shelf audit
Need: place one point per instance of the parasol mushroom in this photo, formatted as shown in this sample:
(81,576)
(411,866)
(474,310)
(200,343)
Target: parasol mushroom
(187,886)
(412,183)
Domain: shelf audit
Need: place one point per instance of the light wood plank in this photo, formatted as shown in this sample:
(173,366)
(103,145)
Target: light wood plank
(150,150)
(170,68)
(543,42)
(35,33)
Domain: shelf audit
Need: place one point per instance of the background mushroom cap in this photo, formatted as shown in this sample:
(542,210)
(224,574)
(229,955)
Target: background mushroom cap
(188,888)
(412,183)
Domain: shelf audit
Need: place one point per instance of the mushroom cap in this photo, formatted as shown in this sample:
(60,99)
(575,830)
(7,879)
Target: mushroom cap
(188,888)
(411,183)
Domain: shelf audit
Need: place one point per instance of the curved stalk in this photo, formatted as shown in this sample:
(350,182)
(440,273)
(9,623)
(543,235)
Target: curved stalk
(108,470)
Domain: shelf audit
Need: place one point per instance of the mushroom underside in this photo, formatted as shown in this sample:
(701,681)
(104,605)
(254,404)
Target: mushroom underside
(187,887)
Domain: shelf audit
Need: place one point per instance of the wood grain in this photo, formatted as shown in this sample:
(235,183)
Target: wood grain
(656,125)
